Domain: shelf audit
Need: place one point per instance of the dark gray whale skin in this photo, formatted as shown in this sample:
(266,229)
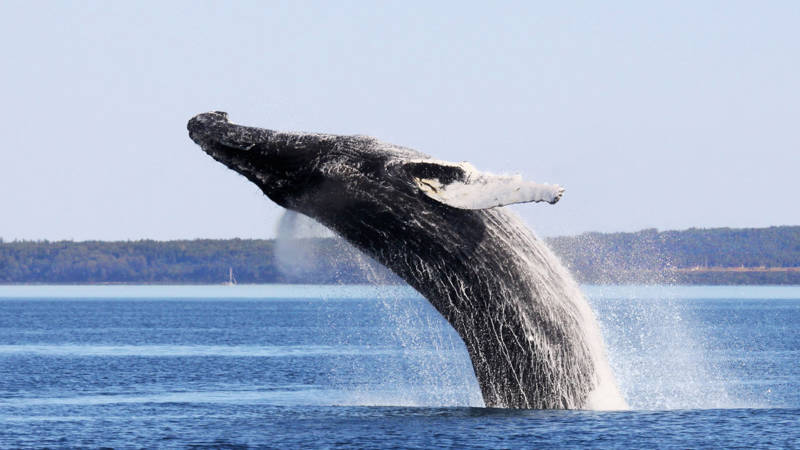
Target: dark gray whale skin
(474,266)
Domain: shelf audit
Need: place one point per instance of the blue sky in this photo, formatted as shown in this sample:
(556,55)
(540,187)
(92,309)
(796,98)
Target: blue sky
(668,115)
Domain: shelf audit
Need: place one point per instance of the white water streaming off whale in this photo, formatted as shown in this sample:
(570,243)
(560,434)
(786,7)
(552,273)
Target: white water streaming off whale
(552,281)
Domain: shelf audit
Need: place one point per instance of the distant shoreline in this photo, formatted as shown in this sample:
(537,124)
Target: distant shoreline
(713,257)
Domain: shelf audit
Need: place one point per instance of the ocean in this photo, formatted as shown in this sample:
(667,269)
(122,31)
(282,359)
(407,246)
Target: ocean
(373,367)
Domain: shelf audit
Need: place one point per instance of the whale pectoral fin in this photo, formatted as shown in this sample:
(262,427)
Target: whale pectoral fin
(489,191)
(461,186)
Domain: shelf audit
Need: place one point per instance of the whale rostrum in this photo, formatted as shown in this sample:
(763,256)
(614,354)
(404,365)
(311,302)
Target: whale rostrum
(438,225)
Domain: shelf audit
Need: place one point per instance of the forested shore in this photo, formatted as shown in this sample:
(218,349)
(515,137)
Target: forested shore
(694,256)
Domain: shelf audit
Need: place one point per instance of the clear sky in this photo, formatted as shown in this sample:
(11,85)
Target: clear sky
(652,114)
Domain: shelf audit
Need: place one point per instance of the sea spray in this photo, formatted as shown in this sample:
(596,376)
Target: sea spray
(296,254)
(637,326)
(660,350)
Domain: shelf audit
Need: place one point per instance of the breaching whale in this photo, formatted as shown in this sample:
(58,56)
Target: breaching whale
(531,336)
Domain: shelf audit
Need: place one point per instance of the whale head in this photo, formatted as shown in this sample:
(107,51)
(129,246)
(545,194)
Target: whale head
(308,171)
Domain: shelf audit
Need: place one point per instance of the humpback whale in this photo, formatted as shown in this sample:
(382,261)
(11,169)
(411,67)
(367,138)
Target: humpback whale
(440,226)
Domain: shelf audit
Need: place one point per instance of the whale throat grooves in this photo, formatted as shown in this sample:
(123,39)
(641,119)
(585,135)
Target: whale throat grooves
(533,339)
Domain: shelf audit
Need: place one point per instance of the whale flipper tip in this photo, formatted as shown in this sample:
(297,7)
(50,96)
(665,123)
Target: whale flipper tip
(559,192)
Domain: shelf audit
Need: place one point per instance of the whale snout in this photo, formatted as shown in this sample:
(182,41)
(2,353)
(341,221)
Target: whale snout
(216,134)
(207,126)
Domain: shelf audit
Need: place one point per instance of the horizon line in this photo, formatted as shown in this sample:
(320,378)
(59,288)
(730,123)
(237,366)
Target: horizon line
(187,239)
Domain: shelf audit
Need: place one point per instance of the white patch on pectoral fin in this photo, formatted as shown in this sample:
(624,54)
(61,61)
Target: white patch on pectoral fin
(472,189)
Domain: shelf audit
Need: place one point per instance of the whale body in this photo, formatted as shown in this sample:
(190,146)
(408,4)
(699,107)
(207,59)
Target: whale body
(438,225)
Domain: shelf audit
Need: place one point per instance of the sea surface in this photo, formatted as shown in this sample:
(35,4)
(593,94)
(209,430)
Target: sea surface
(360,366)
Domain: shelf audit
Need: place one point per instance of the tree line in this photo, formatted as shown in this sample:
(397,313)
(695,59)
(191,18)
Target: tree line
(646,256)
(688,256)
(204,261)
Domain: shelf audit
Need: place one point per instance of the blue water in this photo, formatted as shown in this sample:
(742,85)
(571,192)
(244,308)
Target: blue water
(322,366)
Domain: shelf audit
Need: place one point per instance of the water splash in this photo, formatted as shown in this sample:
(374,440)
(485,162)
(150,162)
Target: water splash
(657,348)
(660,352)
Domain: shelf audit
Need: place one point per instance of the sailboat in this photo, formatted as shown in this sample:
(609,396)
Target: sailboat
(231,280)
